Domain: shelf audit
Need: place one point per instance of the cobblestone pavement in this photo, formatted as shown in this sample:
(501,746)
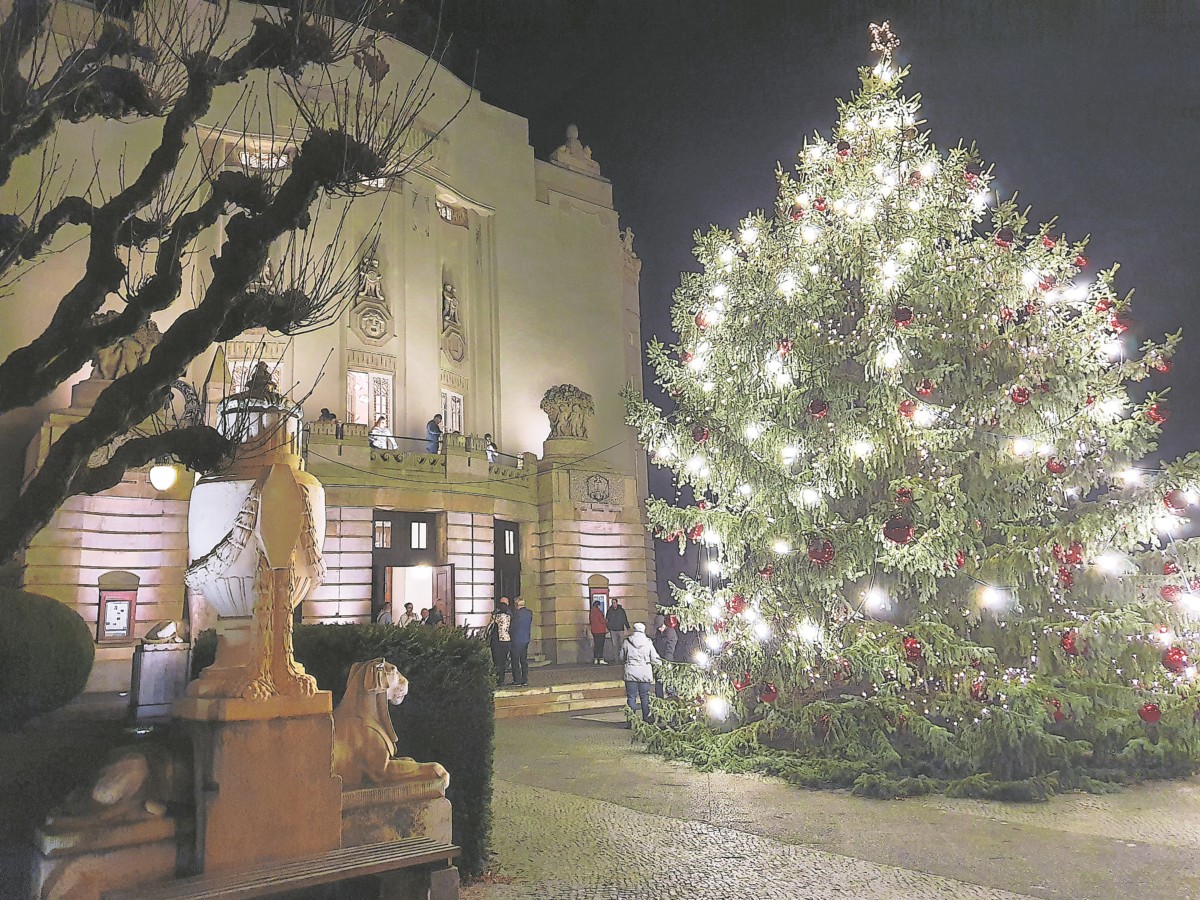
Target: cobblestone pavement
(581,813)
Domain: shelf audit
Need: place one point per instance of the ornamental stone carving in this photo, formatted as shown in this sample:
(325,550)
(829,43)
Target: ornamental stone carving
(370,313)
(575,155)
(454,340)
(568,408)
(363,737)
(601,488)
(127,354)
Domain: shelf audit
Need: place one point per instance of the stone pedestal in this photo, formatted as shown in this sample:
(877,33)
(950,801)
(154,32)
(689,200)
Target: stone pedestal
(263,775)
(81,864)
(414,808)
(160,675)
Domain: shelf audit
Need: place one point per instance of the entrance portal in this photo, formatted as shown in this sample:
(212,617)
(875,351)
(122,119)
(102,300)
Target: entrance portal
(425,587)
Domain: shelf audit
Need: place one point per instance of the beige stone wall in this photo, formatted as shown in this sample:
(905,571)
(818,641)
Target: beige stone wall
(346,594)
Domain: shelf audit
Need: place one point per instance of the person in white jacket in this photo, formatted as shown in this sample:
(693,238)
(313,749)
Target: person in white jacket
(639,656)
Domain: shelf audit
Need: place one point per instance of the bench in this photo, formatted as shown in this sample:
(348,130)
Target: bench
(428,861)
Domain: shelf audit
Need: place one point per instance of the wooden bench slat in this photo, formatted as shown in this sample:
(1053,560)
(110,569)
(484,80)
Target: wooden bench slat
(275,878)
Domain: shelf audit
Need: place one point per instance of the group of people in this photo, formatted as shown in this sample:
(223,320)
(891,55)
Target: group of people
(508,634)
(638,652)
(431,616)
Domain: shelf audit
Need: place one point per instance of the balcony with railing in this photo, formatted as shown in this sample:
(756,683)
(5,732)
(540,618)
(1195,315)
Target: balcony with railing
(349,454)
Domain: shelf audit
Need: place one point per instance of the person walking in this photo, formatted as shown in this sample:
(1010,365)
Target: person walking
(639,656)
(618,624)
(500,639)
(521,631)
(433,433)
(598,626)
(408,617)
(666,638)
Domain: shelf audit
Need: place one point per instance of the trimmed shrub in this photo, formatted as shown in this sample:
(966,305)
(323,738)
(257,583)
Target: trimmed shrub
(448,716)
(46,655)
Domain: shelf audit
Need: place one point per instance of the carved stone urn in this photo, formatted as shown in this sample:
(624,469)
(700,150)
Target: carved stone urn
(255,535)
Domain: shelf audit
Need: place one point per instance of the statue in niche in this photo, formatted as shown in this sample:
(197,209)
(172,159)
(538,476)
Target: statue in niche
(568,408)
(127,354)
(261,384)
(450,315)
(363,737)
(627,241)
(370,277)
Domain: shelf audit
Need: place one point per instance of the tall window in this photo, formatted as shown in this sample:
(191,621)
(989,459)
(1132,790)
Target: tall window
(368,396)
(420,536)
(452,411)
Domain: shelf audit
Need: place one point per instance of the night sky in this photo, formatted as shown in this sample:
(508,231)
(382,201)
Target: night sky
(1091,111)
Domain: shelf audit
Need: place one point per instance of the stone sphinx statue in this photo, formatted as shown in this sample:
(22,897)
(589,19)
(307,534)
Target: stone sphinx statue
(568,409)
(363,738)
(127,354)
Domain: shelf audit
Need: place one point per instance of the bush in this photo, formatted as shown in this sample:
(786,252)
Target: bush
(46,655)
(448,716)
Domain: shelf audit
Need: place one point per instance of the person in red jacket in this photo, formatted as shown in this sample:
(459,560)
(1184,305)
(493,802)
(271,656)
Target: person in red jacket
(598,625)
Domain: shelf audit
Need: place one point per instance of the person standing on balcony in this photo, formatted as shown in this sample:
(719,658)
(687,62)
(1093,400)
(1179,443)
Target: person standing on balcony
(490,448)
(618,624)
(522,633)
(379,437)
(433,433)
(599,629)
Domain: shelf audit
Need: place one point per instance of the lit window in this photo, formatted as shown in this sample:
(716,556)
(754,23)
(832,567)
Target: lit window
(383,534)
(368,396)
(420,536)
(510,542)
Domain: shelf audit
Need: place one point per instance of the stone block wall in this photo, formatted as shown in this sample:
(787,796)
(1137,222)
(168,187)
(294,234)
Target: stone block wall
(346,594)
(470,548)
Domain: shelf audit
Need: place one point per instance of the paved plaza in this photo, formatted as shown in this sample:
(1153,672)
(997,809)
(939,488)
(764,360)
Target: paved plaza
(581,813)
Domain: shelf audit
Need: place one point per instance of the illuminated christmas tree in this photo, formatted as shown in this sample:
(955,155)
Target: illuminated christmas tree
(903,413)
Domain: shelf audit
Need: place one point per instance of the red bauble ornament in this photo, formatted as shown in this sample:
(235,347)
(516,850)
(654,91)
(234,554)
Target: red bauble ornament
(1169,568)
(978,690)
(925,388)
(1055,466)
(699,434)
(701,504)
(898,529)
(908,406)
(902,316)
(1044,387)
(1072,555)
(797,212)
(696,530)
(1162,364)
(1176,501)
(736,604)
(1080,261)
(960,559)
(1150,713)
(1006,315)
(742,683)
(766,571)
(818,408)
(686,356)
(1068,643)
(1175,660)
(819,204)
(843,149)
(904,496)
(1065,578)
(1020,395)
(1104,304)
(1048,242)
(674,536)
(972,172)
(913,651)
(1057,706)
(701,320)
(820,552)
(785,347)
(1004,238)
(1158,413)
(1118,324)
(1170,592)
(767,693)
(1047,283)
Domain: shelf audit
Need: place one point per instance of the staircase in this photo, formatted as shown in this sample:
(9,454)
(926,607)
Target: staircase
(513,703)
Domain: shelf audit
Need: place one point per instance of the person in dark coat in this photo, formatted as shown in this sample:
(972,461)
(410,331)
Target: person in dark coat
(598,626)
(433,433)
(521,630)
(618,624)
(666,638)
(435,617)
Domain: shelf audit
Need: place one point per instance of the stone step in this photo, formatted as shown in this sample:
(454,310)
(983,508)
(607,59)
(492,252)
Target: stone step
(539,701)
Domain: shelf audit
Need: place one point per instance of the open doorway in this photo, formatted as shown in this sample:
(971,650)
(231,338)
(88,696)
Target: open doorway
(424,586)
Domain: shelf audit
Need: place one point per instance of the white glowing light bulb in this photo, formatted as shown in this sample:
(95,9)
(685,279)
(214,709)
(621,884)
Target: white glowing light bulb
(816,151)
(1022,447)
(712,641)
(726,255)
(745,490)
(923,416)
(810,496)
(753,431)
(783,379)
(698,363)
(789,455)
(862,448)
(993,598)
(1112,349)
(808,631)
(1111,563)
(1130,476)
(749,235)
(787,284)
(890,356)
(718,708)
(929,168)
(715,568)
(810,233)
(708,387)
(695,464)
(762,630)
(781,547)
(876,600)
(701,659)
(163,477)
(1030,278)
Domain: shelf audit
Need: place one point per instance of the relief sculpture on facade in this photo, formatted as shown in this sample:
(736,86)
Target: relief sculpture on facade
(454,342)
(568,408)
(370,314)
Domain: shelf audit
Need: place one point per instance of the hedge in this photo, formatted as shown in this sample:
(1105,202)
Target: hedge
(46,655)
(448,716)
